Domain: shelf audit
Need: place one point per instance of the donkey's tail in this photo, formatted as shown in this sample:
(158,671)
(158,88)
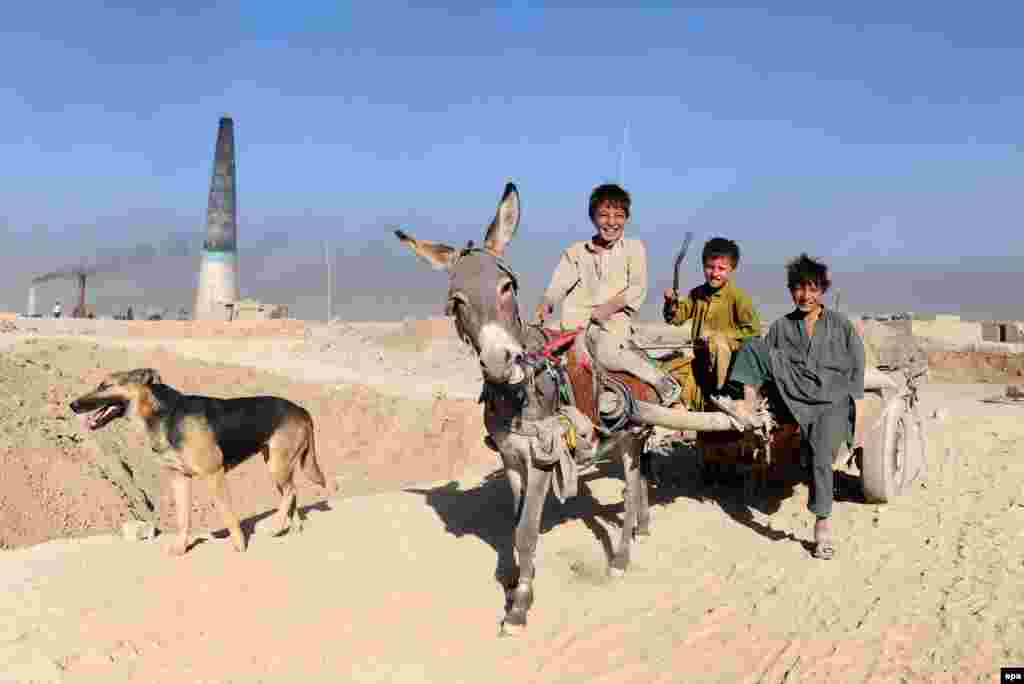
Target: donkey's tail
(309,464)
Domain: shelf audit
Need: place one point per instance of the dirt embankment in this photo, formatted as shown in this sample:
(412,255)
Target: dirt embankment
(946,363)
(61,480)
(279,327)
(975,366)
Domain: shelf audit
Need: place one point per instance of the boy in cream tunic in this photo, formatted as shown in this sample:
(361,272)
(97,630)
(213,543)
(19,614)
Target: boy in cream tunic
(604,280)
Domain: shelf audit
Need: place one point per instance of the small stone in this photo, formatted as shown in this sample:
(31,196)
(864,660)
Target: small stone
(88,659)
(940,414)
(138,530)
(125,650)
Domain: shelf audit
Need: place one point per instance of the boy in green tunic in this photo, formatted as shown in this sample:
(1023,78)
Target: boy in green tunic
(723,315)
(815,358)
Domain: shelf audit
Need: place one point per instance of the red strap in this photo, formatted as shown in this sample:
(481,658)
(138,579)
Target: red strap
(559,343)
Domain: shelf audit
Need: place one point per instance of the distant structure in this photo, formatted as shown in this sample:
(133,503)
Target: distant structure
(254,310)
(218,270)
(32,310)
(1003,331)
(938,326)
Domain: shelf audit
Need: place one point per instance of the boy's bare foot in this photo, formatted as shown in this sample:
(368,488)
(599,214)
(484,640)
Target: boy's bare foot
(738,410)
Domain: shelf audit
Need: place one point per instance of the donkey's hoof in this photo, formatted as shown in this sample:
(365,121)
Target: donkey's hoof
(509,629)
(514,623)
(619,565)
(615,572)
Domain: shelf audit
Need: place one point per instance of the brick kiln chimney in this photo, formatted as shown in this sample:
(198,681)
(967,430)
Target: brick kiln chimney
(218,270)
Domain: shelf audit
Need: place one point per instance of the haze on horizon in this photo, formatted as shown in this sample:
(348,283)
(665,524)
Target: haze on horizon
(885,140)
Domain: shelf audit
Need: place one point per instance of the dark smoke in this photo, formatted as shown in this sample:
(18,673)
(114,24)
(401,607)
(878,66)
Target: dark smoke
(117,259)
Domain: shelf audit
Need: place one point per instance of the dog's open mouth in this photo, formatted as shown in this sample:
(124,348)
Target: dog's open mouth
(104,415)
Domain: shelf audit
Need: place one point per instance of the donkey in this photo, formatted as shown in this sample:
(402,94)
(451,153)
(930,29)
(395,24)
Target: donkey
(482,299)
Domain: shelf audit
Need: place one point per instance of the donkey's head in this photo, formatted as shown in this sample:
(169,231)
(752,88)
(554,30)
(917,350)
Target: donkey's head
(482,292)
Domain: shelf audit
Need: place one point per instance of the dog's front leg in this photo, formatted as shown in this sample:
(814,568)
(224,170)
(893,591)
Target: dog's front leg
(181,485)
(219,488)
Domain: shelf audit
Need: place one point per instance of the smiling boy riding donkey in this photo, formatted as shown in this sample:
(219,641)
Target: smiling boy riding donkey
(601,283)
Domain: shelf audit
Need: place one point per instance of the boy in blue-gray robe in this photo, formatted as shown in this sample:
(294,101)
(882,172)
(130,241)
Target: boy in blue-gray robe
(815,358)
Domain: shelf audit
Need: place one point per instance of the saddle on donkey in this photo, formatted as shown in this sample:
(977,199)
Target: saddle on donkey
(593,403)
(604,406)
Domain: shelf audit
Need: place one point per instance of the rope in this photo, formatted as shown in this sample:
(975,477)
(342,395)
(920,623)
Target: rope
(601,379)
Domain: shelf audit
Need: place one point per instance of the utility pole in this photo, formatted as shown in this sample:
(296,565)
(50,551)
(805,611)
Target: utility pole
(327,259)
(622,154)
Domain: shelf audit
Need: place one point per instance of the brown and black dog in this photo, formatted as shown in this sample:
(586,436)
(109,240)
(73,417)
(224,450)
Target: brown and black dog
(197,436)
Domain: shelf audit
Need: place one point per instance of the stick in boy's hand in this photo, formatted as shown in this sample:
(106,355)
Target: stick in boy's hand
(543,311)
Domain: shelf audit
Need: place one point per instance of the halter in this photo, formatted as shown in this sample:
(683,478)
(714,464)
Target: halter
(502,265)
(449,309)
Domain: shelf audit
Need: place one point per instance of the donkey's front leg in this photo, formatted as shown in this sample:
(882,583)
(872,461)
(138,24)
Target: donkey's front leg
(515,473)
(527,532)
(630,452)
(643,502)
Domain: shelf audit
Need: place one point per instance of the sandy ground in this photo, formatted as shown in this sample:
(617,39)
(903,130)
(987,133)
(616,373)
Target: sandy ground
(398,586)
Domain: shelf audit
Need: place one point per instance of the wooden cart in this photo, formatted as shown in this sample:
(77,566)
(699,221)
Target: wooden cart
(888,445)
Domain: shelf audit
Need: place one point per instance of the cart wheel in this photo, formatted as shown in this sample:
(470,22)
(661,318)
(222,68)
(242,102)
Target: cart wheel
(917,447)
(888,446)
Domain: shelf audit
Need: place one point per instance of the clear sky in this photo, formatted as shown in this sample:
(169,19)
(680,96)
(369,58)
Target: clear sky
(883,137)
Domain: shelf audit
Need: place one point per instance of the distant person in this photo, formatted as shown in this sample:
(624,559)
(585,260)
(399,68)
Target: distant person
(603,281)
(57,309)
(723,315)
(815,359)
(129,315)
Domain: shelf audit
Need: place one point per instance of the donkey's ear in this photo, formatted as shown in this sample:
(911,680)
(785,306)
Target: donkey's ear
(503,228)
(438,256)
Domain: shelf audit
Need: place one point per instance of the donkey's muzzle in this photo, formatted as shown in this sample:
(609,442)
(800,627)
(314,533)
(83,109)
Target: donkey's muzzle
(502,366)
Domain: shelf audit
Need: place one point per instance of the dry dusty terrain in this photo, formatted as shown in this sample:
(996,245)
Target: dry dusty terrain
(60,480)
(398,585)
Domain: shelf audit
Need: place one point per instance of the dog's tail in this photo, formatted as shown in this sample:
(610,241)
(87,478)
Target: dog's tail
(309,464)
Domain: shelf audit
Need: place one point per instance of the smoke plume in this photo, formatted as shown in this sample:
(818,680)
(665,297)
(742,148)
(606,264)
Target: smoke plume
(112,260)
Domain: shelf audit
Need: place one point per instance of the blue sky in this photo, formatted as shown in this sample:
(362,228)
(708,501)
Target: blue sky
(875,135)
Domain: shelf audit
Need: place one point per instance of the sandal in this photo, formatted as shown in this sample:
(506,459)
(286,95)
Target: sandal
(824,546)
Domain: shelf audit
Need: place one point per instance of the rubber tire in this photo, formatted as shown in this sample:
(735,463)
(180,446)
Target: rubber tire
(884,461)
(917,447)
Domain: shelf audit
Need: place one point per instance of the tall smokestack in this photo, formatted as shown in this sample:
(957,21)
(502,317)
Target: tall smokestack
(218,270)
(31,302)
